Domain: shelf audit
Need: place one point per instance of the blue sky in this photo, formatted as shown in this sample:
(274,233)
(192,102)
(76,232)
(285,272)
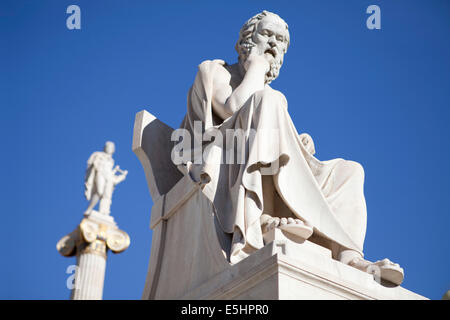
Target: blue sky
(379,97)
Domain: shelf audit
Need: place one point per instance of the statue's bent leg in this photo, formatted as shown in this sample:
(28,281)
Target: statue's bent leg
(344,192)
(271,121)
(349,205)
(277,215)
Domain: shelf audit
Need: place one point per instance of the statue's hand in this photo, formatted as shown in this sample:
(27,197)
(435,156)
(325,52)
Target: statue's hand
(258,61)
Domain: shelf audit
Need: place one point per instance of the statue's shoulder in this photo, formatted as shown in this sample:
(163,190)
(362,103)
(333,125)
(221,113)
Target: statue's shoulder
(211,66)
(279,94)
(213,70)
(212,63)
(94,156)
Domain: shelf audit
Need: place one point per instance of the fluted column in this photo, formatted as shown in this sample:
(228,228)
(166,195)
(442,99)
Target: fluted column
(90,274)
(90,242)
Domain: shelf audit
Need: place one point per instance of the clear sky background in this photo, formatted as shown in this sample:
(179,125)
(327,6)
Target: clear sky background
(379,97)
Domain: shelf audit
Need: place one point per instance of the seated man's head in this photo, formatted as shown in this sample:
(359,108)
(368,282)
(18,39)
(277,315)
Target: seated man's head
(269,35)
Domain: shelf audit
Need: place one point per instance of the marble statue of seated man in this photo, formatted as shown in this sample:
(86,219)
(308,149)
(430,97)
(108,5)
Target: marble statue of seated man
(279,183)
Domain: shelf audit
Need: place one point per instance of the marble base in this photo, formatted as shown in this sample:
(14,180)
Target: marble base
(102,218)
(284,270)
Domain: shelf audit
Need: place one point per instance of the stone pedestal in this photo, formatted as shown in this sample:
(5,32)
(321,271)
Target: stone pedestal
(284,270)
(90,242)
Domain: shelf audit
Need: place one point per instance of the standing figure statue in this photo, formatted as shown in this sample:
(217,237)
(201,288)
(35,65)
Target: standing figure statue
(97,233)
(101,179)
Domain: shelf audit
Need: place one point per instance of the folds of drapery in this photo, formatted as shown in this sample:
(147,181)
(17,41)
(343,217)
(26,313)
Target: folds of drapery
(328,194)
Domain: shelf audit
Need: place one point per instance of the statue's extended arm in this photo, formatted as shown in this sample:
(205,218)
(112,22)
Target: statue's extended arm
(118,179)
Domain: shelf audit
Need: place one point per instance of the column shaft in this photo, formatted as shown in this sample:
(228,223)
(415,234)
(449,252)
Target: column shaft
(89,277)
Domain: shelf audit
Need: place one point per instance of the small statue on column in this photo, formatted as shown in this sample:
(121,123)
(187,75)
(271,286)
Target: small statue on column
(97,232)
(101,179)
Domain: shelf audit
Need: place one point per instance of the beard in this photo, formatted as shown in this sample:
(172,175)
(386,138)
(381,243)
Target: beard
(274,71)
(275,63)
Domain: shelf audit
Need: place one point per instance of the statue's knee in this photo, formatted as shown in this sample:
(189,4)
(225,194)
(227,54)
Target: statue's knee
(352,168)
(357,167)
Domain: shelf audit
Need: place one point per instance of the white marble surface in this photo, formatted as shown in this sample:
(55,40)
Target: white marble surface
(189,260)
(90,243)
(101,179)
(210,216)
(90,277)
(286,270)
(97,232)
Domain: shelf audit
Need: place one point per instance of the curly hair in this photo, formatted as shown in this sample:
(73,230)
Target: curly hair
(245,42)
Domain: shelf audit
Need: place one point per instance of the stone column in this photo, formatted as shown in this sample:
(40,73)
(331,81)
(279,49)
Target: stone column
(90,243)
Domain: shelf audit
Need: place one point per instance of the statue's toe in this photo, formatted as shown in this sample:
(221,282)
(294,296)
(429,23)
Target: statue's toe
(388,270)
(392,273)
(274,223)
(308,224)
(299,230)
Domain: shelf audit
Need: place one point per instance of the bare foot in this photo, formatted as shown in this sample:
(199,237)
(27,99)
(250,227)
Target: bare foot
(389,271)
(381,269)
(291,225)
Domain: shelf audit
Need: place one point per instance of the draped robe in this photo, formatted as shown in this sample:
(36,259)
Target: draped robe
(328,194)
